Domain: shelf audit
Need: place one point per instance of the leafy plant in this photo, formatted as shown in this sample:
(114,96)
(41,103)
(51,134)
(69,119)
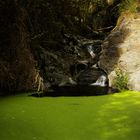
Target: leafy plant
(128,5)
(121,80)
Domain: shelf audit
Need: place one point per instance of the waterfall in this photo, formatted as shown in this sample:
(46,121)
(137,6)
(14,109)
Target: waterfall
(101,81)
(91,51)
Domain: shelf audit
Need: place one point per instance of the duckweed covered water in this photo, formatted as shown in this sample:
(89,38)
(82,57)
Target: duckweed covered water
(109,117)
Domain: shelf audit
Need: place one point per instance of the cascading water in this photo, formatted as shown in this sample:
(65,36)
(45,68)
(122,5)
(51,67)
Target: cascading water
(91,51)
(101,81)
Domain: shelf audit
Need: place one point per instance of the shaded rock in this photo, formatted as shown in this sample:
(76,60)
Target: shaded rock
(58,78)
(78,67)
(76,54)
(89,82)
(95,35)
(90,76)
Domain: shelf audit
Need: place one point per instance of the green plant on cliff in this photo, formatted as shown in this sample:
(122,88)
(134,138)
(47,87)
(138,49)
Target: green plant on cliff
(128,5)
(121,80)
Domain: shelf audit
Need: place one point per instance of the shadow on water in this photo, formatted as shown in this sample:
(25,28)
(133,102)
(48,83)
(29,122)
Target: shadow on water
(74,91)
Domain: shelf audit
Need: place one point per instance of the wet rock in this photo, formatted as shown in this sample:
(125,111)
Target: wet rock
(62,67)
(91,77)
(78,67)
(95,35)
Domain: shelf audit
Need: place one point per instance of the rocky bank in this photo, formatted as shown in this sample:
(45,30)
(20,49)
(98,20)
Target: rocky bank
(121,49)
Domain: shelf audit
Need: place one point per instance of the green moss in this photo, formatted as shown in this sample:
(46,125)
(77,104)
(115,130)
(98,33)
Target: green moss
(111,117)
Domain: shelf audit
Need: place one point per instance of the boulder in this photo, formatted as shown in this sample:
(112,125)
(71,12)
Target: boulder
(89,82)
(92,76)
(121,49)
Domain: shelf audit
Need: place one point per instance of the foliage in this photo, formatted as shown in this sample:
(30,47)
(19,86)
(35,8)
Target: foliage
(121,80)
(128,5)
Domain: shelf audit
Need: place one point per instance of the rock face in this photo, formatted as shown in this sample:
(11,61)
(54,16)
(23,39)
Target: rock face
(72,71)
(75,55)
(91,76)
(89,82)
(122,49)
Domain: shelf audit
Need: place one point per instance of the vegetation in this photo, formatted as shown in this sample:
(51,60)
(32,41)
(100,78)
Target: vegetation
(121,81)
(112,117)
(129,6)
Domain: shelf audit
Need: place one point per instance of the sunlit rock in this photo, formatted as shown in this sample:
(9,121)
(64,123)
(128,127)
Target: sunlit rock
(110,2)
(122,49)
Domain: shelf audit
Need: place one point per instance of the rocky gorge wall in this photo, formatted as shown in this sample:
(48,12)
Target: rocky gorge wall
(49,42)
(121,49)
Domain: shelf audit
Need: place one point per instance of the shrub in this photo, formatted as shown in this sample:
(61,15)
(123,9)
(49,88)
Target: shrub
(121,80)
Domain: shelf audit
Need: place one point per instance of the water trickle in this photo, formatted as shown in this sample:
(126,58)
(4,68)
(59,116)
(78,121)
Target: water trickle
(101,81)
(91,51)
